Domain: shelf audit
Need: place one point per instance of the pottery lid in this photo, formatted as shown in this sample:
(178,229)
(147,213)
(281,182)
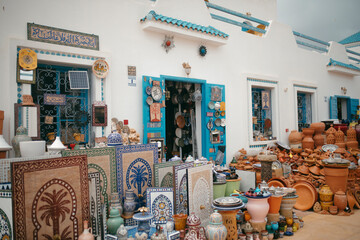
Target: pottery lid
(21,131)
(114,212)
(193,220)
(114,139)
(175,158)
(215,218)
(57,145)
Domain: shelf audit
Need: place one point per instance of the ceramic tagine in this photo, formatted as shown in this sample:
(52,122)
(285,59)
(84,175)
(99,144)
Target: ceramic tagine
(216,230)
(114,139)
(57,146)
(21,136)
(86,235)
(195,231)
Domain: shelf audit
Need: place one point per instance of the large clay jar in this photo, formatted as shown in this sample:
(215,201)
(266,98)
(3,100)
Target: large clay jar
(336,177)
(21,136)
(86,235)
(258,208)
(351,142)
(287,204)
(326,195)
(339,139)
(295,138)
(274,203)
(340,200)
(319,128)
(129,203)
(216,230)
(308,141)
(330,139)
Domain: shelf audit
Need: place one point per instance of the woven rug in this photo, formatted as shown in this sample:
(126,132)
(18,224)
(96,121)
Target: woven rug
(50,197)
(135,167)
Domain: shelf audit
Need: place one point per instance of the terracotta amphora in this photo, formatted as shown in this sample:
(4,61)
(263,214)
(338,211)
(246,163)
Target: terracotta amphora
(308,141)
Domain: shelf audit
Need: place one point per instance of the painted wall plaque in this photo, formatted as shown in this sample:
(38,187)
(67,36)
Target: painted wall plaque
(54,99)
(164,174)
(160,201)
(59,36)
(50,197)
(265,100)
(155,112)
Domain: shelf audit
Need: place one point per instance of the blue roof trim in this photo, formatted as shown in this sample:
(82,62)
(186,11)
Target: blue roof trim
(209,30)
(353,38)
(341,64)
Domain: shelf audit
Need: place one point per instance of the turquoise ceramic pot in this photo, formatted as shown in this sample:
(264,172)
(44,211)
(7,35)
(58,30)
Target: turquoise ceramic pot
(114,221)
(219,189)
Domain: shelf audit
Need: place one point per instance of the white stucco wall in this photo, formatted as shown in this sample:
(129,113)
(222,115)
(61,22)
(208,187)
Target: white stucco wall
(275,57)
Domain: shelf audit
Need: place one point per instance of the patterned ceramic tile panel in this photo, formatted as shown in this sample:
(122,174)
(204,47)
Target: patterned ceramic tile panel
(160,201)
(95,205)
(50,197)
(100,160)
(6,217)
(164,175)
(200,186)
(135,167)
(180,188)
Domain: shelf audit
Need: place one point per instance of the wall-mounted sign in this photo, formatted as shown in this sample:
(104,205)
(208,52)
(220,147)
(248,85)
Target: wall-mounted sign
(62,37)
(132,76)
(265,99)
(54,99)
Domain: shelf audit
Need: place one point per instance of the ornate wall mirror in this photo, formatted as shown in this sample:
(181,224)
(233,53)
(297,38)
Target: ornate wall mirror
(28,117)
(99,114)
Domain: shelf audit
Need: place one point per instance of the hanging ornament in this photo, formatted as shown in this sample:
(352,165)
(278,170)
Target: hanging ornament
(168,43)
(27,59)
(202,50)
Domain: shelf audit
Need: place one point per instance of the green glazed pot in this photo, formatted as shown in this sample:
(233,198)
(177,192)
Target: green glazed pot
(231,185)
(114,221)
(219,190)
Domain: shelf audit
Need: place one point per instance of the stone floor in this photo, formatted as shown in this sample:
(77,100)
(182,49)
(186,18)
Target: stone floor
(328,227)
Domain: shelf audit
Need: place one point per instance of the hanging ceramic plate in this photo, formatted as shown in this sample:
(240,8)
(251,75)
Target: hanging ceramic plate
(267,123)
(100,68)
(174,99)
(148,90)
(222,113)
(180,121)
(222,106)
(217,114)
(223,122)
(218,122)
(156,92)
(181,142)
(178,132)
(27,59)
(177,141)
(211,105)
(217,106)
(177,114)
(149,100)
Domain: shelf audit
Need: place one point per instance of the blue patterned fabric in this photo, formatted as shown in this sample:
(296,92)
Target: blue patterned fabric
(191,26)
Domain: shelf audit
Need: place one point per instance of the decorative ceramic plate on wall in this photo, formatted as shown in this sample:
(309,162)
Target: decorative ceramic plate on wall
(100,68)
(27,59)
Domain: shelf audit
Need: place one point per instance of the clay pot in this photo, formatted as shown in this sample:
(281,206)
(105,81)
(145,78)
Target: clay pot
(315,170)
(319,128)
(336,177)
(333,210)
(180,221)
(258,209)
(326,195)
(308,141)
(274,203)
(326,205)
(340,200)
(295,137)
(286,206)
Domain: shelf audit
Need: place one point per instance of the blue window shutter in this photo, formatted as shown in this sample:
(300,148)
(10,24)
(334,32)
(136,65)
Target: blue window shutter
(333,107)
(353,108)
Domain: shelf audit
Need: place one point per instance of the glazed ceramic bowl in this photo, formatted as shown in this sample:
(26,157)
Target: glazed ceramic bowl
(32,148)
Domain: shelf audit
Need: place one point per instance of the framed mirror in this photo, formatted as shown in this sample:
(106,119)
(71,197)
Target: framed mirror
(25,76)
(99,114)
(161,146)
(28,117)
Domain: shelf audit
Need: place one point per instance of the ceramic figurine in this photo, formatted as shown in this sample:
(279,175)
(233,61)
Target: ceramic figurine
(21,136)
(195,231)
(129,203)
(114,221)
(121,233)
(86,235)
(216,230)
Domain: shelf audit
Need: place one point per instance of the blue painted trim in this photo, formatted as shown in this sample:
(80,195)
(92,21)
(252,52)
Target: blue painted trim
(339,96)
(260,80)
(301,86)
(311,46)
(182,79)
(354,59)
(352,52)
(310,38)
(62,54)
(227,20)
(356,45)
(333,62)
(351,39)
(226,10)
(258,146)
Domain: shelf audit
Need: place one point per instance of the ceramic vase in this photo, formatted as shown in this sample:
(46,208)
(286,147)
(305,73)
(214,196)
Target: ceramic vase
(274,203)
(325,193)
(216,230)
(308,141)
(258,209)
(336,177)
(21,136)
(231,185)
(180,221)
(114,221)
(340,200)
(295,138)
(86,235)
(319,128)
(287,204)
(326,205)
(115,202)
(129,203)
(195,231)
(219,189)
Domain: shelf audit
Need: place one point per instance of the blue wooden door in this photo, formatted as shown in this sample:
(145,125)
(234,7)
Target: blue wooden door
(333,107)
(213,94)
(153,128)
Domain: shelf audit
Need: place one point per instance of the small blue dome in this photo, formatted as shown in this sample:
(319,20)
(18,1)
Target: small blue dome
(114,139)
